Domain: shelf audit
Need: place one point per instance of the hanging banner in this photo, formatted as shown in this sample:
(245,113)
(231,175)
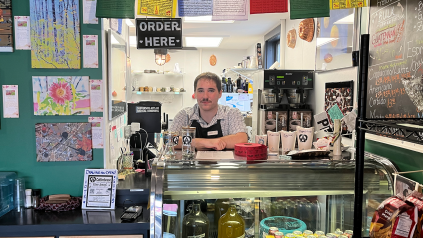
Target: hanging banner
(158,8)
(300,9)
(193,8)
(342,4)
(264,6)
(115,9)
(159,33)
(230,10)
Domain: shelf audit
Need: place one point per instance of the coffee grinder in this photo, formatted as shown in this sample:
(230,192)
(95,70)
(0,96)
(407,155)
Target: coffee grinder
(275,115)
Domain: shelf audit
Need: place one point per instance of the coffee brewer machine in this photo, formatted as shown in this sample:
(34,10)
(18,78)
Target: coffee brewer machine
(277,113)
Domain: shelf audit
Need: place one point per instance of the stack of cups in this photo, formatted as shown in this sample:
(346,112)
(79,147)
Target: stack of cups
(288,141)
(19,194)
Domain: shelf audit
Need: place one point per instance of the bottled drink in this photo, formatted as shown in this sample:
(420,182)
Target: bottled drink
(230,86)
(239,82)
(231,225)
(224,85)
(195,224)
(220,207)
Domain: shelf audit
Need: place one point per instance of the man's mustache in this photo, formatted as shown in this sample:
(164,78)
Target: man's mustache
(205,100)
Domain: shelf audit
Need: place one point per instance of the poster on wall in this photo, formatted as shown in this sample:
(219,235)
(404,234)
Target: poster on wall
(61,95)
(237,10)
(89,12)
(97,131)
(158,8)
(10,101)
(193,8)
(341,95)
(55,45)
(96,95)
(22,33)
(99,189)
(63,142)
(301,9)
(342,4)
(335,40)
(90,43)
(264,6)
(115,9)
(6,25)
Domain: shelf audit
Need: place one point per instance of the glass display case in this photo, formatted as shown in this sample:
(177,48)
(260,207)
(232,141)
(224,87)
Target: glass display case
(217,198)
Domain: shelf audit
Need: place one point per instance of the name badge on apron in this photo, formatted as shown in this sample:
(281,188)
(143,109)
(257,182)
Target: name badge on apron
(212,133)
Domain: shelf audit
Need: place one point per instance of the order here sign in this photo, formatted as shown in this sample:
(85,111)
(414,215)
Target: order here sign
(159,33)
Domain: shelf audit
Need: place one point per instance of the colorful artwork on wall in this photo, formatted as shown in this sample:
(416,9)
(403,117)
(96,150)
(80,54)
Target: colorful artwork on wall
(61,95)
(63,142)
(6,24)
(55,34)
(341,94)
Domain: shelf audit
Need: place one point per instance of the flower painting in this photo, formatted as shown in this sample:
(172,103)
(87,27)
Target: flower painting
(55,34)
(61,95)
(63,142)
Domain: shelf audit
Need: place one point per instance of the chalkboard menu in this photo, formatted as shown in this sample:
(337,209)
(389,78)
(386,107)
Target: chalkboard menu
(395,83)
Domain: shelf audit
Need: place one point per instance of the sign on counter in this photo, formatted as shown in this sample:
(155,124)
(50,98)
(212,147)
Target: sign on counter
(159,33)
(99,189)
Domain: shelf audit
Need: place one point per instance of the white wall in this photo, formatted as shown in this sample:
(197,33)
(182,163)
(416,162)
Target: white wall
(304,53)
(192,63)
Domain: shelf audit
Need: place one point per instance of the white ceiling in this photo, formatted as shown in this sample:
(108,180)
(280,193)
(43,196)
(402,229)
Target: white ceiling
(237,35)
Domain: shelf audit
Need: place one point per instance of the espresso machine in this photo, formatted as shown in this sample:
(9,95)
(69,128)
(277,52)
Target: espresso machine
(280,113)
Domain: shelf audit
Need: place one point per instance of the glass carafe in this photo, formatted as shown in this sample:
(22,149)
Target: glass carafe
(195,224)
(231,225)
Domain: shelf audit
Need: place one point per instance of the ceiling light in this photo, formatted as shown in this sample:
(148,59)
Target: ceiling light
(129,23)
(133,41)
(324,41)
(203,41)
(160,56)
(203,19)
(346,20)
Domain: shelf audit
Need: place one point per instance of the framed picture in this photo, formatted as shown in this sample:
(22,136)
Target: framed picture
(99,189)
(340,93)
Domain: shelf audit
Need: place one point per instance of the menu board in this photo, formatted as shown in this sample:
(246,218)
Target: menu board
(395,84)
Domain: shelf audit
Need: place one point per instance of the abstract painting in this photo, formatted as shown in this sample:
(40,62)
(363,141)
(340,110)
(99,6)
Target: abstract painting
(55,34)
(340,93)
(63,142)
(61,95)
(6,24)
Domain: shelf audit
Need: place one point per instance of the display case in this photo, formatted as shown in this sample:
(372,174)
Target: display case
(316,195)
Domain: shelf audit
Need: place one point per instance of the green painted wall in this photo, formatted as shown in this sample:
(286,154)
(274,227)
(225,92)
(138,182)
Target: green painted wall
(405,160)
(17,136)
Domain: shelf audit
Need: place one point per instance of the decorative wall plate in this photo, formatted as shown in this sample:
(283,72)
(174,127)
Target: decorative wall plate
(306,29)
(291,38)
(213,60)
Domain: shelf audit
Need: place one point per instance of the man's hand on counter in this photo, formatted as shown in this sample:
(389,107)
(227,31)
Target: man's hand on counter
(216,144)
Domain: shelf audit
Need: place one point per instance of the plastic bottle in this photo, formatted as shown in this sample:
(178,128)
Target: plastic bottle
(230,86)
(28,198)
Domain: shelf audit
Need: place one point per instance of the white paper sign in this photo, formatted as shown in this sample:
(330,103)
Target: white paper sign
(90,51)
(322,121)
(89,12)
(97,131)
(99,189)
(96,95)
(350,120)
(10,101)
(230,10)
(22,34)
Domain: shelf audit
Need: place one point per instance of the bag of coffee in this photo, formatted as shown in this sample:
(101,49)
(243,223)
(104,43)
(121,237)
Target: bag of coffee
(385,216)
(417,199)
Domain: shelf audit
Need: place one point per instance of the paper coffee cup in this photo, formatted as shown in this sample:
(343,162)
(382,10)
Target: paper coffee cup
(273,140)
(261,139)
(288,140)
(305,137)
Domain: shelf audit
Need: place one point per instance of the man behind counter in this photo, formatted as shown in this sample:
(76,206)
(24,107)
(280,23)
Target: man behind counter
(217,126)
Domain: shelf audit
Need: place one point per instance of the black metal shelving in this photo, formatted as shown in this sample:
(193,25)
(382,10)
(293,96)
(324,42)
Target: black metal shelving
(410,130)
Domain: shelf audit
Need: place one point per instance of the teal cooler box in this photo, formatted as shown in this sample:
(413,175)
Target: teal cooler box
(7,187)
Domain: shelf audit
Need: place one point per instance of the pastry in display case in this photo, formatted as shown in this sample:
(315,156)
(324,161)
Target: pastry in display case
(264,199)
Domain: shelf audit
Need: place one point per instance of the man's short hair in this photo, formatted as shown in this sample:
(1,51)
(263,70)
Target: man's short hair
(209,76)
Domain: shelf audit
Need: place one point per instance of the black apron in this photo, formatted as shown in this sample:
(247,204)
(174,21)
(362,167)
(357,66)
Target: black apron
(214,131)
